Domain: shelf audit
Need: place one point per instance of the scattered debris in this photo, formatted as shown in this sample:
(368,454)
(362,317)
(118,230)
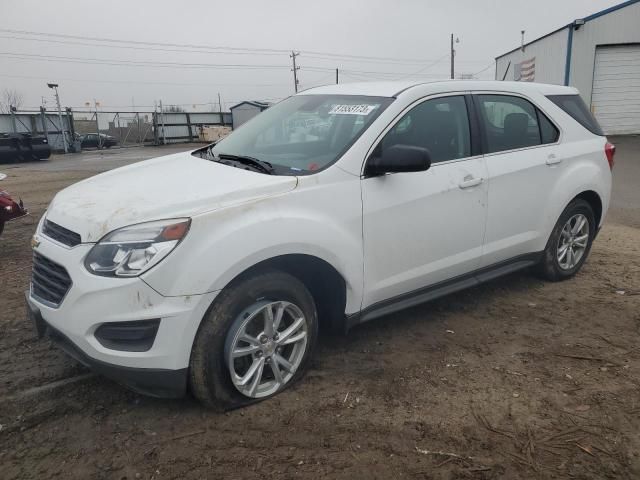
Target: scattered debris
(444,454)
(450,331)
(586,357)
(586,449)
(49,386)
(184,435)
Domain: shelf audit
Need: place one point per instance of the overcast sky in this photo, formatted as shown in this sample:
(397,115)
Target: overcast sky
(407,38)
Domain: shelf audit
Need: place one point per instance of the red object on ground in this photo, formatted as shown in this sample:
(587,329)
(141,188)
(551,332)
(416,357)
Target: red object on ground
(10,209)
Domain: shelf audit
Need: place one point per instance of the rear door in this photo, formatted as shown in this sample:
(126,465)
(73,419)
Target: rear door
(523,161)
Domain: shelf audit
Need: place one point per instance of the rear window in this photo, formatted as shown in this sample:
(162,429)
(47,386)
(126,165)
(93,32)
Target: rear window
(575,106)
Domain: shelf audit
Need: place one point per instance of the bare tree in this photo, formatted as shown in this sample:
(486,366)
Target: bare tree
(9,98)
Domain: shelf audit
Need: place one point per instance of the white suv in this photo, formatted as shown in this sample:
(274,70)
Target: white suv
(214,269)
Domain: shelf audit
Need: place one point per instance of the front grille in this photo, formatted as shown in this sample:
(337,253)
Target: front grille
(60,234)
(50,282)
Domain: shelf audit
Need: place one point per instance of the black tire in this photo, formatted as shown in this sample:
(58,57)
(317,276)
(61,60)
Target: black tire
(549,267)
(209,378)
(1,227)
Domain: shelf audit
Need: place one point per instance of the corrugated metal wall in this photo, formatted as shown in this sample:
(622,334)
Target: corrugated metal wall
(182,127)
(550,54)
(32,123)
(244,113)
(618,27)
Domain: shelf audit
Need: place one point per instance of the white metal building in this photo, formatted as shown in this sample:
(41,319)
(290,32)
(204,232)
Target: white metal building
(246,110)
(598,54)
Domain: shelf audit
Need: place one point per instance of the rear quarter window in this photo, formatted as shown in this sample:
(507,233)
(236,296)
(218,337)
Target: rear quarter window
(575,107)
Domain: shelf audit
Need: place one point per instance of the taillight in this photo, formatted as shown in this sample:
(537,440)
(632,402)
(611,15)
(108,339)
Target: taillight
(610,151)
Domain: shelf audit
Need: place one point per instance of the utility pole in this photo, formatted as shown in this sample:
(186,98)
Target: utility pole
(96,104)
(220,109)
(164,138)
(453,53)
(337,76)
(43,119)
(522,40)
(54,86)
(12,111)
(295,69)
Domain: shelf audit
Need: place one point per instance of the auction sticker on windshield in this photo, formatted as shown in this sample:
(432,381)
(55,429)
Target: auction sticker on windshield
(352,109)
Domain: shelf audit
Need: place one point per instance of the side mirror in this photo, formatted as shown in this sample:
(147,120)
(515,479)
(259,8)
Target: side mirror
(399,158)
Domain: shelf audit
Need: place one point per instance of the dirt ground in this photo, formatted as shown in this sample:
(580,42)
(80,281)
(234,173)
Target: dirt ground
(516,379)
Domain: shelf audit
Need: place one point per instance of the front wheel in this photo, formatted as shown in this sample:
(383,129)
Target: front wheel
(569,243)
(256,340)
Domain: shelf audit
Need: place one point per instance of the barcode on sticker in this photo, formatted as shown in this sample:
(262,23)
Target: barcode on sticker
(351,109)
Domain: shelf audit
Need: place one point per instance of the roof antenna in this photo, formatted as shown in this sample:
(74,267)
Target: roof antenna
(522,41)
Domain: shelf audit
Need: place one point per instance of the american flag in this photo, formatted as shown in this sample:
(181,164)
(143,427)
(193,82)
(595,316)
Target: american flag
(525,71)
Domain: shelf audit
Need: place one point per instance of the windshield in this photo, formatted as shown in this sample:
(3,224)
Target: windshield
(305,133)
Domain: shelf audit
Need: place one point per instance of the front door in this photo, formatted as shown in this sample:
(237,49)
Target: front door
(421,228)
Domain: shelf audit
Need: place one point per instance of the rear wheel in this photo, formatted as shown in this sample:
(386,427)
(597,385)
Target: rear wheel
(570,242)
(255,341)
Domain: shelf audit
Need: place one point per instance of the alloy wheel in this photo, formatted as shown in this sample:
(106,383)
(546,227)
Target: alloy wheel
(573,241)
(265,347)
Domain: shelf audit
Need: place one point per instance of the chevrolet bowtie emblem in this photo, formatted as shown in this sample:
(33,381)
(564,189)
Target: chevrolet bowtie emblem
(35,242)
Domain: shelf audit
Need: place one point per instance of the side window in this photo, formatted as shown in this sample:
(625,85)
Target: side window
(510,122)
(548,131)
(440,125)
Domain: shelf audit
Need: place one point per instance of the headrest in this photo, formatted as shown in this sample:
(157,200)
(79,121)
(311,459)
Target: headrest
(516,123)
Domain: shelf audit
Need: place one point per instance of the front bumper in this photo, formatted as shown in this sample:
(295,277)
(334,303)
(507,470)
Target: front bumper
(94,301)
(154,382)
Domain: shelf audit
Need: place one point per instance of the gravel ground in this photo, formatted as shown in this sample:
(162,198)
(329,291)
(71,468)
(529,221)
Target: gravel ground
(515,379)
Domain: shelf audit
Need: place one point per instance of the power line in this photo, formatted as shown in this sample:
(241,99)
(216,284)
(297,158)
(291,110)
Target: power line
(178,50)
(150,82)
(317,54)
(492,64)
(422,70)
(138,42)
(143,63)
(135,63)
(132,47)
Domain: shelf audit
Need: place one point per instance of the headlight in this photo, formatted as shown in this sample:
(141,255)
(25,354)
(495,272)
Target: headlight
(130,251)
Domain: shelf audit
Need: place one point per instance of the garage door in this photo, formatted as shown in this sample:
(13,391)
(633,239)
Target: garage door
(615,100)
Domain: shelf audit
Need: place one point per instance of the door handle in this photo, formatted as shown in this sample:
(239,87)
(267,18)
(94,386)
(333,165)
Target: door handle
(553,160)
(471,183)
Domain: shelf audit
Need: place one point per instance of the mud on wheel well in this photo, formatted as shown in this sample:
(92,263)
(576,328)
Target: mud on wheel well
(593,199)
(326,285)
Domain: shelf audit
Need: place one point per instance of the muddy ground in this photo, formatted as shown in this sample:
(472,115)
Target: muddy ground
(516,379)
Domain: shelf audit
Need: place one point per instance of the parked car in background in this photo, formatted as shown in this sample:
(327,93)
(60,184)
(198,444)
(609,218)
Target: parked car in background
(93,140)
(9,208)
(216,268)
(16,147)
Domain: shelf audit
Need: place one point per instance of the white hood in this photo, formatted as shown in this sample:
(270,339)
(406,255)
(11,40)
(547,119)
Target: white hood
(177,185)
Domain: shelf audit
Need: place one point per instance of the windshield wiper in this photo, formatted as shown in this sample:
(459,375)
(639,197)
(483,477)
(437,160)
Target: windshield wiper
(263,165)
